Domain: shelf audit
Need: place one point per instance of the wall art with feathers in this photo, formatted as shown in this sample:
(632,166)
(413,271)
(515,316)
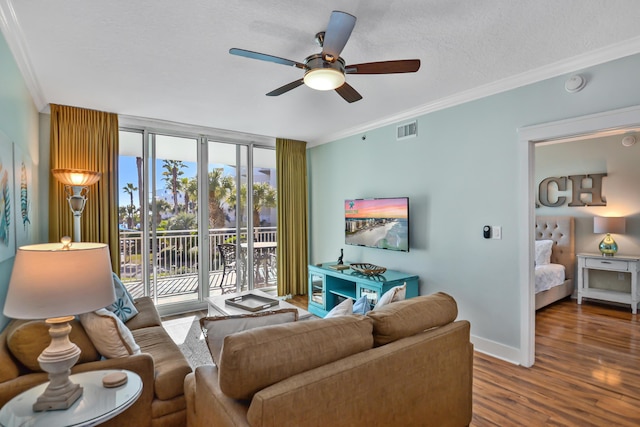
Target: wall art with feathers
(7,226)
(23,194)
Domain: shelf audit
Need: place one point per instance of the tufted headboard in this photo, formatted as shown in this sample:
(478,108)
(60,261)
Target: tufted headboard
(560,229)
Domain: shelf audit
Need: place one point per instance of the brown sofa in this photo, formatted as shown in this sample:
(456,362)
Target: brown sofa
(406,364)
(161,365)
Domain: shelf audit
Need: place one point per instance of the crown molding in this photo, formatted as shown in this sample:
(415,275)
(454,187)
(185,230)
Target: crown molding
(570,65)
(13,34)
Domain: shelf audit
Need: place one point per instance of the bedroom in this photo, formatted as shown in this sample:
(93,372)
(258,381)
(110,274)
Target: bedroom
(619,191)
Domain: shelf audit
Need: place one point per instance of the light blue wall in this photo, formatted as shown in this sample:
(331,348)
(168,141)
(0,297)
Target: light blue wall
(19,121)
(460,173)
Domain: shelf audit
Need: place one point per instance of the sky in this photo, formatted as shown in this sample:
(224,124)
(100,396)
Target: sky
(128,172)
(376,208)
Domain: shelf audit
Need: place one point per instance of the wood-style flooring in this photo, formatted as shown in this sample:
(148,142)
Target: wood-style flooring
(587,371)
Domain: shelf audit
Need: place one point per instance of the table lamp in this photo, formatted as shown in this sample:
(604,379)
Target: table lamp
(76,185)
(57,281)
(615,225)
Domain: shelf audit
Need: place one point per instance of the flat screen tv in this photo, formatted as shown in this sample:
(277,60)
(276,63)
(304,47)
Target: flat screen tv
(377,223)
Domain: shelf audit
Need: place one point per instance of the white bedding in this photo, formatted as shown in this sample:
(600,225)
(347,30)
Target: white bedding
(548,276)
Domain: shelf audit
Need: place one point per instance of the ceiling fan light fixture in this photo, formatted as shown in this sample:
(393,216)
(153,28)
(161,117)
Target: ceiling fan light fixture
(324,79)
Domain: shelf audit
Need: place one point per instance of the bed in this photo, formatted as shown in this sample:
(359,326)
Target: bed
(554,281)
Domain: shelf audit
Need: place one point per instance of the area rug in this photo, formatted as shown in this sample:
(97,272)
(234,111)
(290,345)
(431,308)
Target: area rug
(186,332)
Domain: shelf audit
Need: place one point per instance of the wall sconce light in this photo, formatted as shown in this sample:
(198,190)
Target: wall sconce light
(616,225)
(76,186)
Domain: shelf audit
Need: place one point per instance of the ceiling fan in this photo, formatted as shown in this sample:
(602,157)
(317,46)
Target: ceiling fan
(326,70)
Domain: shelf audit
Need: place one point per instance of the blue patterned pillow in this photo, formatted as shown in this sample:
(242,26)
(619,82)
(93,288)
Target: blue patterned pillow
(362,305)
(123,306)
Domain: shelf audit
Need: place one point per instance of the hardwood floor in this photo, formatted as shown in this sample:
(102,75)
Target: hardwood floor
(587,371)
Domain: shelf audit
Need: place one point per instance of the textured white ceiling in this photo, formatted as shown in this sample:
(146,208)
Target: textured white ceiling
(169,60)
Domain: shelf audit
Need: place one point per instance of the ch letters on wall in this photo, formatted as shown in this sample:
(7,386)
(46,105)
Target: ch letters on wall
(586,190)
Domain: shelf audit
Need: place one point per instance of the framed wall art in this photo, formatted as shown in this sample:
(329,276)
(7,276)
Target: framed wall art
(23,194)
(7,228)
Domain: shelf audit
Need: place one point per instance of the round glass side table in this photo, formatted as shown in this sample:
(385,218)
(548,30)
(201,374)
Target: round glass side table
(96,405)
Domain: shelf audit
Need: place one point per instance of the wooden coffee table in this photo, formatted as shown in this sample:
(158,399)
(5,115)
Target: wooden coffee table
(218,307)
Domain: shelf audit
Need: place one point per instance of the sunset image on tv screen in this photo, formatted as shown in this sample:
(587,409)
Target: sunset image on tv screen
(378,223)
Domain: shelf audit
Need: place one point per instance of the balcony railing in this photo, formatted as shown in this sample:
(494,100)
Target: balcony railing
(176,262)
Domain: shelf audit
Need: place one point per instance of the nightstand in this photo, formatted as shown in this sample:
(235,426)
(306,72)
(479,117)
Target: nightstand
(625,264)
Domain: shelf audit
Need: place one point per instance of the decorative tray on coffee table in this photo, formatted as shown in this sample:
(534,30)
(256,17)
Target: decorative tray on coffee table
(367,269)
(251,302)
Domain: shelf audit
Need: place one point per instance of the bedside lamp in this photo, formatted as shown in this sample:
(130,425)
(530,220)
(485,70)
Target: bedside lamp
(615,225)
(76,185)
(57,281)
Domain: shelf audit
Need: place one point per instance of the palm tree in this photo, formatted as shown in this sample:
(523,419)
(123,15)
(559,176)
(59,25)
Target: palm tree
(220,188)
(190,188)
(183,221)
(162,207)
(129,188)
(264,196)
(173,171)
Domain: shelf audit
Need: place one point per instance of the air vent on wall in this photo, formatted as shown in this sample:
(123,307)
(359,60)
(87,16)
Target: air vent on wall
(407,130)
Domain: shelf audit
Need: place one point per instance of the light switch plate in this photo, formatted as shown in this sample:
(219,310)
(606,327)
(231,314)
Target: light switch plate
(496,232)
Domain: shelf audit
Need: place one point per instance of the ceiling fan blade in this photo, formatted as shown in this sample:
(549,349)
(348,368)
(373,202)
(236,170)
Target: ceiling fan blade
(337,34)
(348,93)
(286,88)
(265,57)
(384,67)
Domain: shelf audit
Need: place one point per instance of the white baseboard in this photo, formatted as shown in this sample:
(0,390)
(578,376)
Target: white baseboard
(497,350)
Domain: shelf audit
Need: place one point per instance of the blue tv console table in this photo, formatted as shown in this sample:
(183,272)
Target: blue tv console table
(328,287)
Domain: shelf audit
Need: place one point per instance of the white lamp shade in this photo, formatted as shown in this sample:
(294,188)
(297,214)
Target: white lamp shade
(48,281)
(614,225)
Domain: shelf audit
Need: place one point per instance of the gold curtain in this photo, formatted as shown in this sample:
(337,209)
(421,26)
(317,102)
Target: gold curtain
(291,172)
(86,139)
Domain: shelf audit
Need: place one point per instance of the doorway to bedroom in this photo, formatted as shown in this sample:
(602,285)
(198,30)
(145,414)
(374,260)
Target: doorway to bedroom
(583,130)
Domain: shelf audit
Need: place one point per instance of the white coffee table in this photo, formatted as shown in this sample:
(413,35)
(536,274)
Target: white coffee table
(218,307)
(96,405)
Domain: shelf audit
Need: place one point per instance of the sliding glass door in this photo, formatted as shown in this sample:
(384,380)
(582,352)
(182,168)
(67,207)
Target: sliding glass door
(189,226)
(173,220)
(242,222)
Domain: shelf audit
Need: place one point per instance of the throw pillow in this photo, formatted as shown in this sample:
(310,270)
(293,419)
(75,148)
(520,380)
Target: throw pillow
(362,305)
(108,334)
(406,318)
(397,293)
(216,328)
(123,306)
(543,252)
(342,309)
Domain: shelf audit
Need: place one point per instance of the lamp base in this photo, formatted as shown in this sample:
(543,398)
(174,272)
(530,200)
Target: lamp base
(608,246)
(57,360)
(58,401)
